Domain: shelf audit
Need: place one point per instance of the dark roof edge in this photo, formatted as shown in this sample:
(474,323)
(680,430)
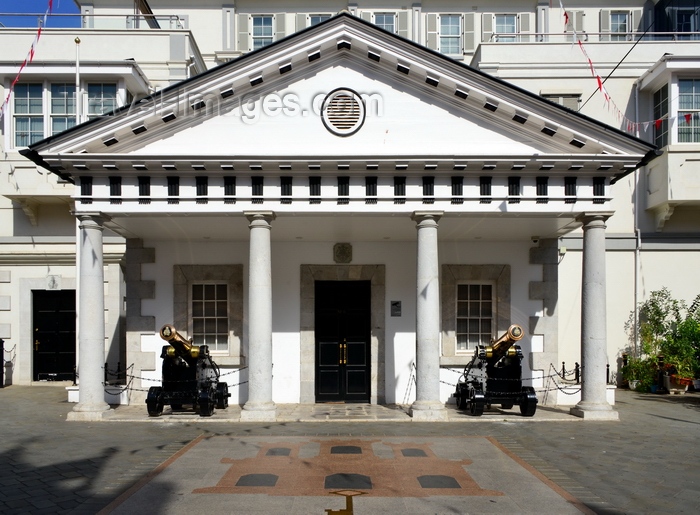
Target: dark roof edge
(34,156)
(648,157)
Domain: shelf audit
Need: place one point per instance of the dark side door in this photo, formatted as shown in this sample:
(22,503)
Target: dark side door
(53,338)
(342,327)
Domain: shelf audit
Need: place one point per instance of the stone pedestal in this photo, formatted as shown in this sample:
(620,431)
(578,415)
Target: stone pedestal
(427,405)
(594,404)
(259,406)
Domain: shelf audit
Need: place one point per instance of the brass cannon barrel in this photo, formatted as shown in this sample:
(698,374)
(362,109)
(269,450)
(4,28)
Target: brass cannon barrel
(502,345)
(179,345)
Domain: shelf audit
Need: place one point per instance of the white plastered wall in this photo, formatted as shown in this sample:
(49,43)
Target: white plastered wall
(399,258)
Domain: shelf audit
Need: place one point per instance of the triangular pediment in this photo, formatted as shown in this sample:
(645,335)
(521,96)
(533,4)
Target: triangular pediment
(418,105)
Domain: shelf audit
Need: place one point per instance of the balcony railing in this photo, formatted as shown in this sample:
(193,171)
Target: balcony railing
(96,21)
(606,37)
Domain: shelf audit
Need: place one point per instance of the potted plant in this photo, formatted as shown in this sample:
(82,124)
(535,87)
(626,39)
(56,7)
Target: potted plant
(666,327)
(641,373)
(680,350)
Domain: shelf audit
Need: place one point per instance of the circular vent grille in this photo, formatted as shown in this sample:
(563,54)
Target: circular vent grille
(343,112)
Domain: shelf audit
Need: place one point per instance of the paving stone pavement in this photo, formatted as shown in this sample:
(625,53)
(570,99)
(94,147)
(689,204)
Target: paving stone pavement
(648,462)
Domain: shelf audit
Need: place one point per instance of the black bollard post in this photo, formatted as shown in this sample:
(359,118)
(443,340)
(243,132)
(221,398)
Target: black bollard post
(563,369)
(607,373)
(577,373)
(2,363)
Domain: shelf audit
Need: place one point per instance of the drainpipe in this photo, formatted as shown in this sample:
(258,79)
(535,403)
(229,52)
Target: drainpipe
(637,235)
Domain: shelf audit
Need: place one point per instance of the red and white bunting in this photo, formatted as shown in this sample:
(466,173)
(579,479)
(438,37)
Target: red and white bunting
(28,59)
(630,125)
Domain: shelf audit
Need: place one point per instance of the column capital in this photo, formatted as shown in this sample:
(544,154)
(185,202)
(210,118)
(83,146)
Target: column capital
(259,216)
(94,216)
(590,218)
(426,216)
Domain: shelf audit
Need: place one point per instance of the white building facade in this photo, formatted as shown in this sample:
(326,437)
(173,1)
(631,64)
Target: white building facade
(343,208)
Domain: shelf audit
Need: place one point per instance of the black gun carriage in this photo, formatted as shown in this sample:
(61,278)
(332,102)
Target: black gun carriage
(190,376)
(494,376)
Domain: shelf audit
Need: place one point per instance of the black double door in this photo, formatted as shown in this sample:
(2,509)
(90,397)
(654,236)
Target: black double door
(53,344)
(342,327)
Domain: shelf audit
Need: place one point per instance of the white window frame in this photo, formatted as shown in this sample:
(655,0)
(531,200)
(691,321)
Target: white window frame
(458,37)
(255,38)
(574,99)
(660,110)
(47,114)
(684,35)
(617,35)
(386,13)
(214,347)
(28,115)
(102,100)
(483,338)
(324,17)
(68,103)
(694,126)
(506,39)
(232,275)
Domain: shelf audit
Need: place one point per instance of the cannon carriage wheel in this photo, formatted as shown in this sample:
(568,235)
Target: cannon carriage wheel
(476,403)
(206,401)
(154,401)
(222,396)
(528,403)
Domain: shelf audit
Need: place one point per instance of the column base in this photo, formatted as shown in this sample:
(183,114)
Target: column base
(427,411)
(264,412)
(590,411)
(89,413)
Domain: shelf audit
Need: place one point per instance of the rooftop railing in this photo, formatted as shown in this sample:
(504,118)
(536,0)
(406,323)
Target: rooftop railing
(95,21)
(605,37)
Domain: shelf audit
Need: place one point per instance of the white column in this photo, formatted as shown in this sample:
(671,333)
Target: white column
(594,404)
(259,406)
(427,405)
(91,321)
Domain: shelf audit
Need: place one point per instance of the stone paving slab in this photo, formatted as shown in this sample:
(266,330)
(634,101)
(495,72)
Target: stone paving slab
(332,413)
(386,475)
(645,463)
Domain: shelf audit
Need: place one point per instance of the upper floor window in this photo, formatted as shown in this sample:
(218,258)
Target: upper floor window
(506,24)
(661,114)
(42,109)
(689,111)
(504,28)
(570,100)
(102,98)
(386,21)
(62,107)
(262,31)
(315,19)
(450,34)
(619,25)
(686,21)
(28,114)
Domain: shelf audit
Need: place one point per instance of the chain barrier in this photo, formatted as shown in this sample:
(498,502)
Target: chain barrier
(129,378)
(550,385)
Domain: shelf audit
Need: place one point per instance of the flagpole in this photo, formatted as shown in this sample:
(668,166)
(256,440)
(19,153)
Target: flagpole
(77,82)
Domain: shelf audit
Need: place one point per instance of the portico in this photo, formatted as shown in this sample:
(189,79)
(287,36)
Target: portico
(256,209)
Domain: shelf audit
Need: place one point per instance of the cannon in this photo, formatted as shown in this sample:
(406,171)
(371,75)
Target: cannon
(494,376)
(190,376)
